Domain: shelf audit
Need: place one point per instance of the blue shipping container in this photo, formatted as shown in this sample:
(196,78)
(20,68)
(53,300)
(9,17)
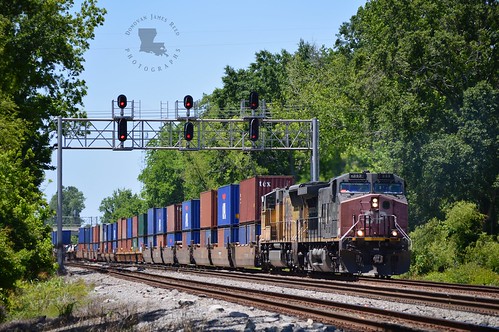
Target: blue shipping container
(104,232)
(191,237)
(88,234)
(151,221)
(253,231)
(114,231)
(81,235)
(191,215)
(228,205)
(230,234)
(151,241)
(66,237)
(210,236)
(129,223)
(161,217)
(243,234)
(172,238)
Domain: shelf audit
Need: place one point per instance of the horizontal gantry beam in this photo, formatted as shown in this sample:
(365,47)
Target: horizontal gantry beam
(209,134)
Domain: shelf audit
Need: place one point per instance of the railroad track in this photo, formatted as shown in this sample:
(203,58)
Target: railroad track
(346,316)
(481,300)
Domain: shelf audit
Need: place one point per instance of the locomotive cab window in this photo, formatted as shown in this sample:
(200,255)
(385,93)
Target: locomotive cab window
(388,188)
(355,187)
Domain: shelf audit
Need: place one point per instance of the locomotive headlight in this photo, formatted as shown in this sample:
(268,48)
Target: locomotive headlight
(394,233)
(375,202)
(360,232)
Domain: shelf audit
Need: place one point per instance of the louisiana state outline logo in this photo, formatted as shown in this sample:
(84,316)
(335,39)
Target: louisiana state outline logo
(152,43)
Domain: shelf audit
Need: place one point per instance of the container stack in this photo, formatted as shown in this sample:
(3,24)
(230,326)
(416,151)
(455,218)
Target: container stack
(190,222)
(251,192)
(228,214)
(150,238)
(121,225)
(208,218)
(174,225)
(160,222)
(142,231)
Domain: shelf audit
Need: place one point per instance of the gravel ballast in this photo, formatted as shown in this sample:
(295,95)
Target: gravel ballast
(153,309)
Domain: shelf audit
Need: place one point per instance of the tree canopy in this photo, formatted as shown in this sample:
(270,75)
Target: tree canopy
(42,44)
(73,202)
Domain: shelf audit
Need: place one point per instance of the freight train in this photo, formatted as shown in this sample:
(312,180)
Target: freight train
(355,223)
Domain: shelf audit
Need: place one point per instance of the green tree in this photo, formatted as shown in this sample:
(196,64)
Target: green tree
(424,72)
(41,52)
(41,55)
(457,240)
(25,249)
(163,178)
(122,204)
(73,202)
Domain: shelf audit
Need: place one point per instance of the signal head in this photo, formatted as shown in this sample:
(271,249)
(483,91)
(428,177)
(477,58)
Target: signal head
(122,130)
(188,102)
(122,101)
(254,129)
(188,131)
(253,100)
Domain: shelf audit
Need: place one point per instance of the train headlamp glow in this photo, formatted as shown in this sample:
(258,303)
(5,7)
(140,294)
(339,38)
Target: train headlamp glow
(374,202)
(395,233)
(360,232)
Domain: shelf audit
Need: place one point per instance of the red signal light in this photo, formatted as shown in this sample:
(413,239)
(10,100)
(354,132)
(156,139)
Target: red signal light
(253,130)
(188,131)
(122,102)
(253,100)
(122,130)
(188,102)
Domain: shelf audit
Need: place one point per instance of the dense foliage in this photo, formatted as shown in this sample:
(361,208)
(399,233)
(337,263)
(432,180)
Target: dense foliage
(41,56)
(455,249)
(123,203)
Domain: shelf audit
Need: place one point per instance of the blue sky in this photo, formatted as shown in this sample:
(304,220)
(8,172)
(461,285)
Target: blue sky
(200,39)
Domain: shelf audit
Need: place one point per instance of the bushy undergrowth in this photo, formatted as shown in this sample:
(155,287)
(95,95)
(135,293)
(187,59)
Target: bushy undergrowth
(470,273)
(455,249)
(52,298)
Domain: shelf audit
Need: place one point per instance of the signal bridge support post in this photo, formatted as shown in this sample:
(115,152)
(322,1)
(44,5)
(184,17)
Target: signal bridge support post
(314,167)
(60,247)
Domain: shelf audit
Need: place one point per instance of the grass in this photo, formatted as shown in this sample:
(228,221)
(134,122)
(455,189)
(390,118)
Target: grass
(52,298)
(64,302)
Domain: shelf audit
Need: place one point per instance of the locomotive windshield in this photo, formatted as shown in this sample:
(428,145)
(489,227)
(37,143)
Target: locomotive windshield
(388,188)
(355,187)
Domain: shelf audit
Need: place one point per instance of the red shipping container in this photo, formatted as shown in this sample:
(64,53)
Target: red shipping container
(251,192)
(135,226)
(96,234)
(122,228)
(161,240)
(174,217)
(208,209)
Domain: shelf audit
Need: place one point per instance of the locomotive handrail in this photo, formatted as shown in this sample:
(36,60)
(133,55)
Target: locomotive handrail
(351,228)
(404,234)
